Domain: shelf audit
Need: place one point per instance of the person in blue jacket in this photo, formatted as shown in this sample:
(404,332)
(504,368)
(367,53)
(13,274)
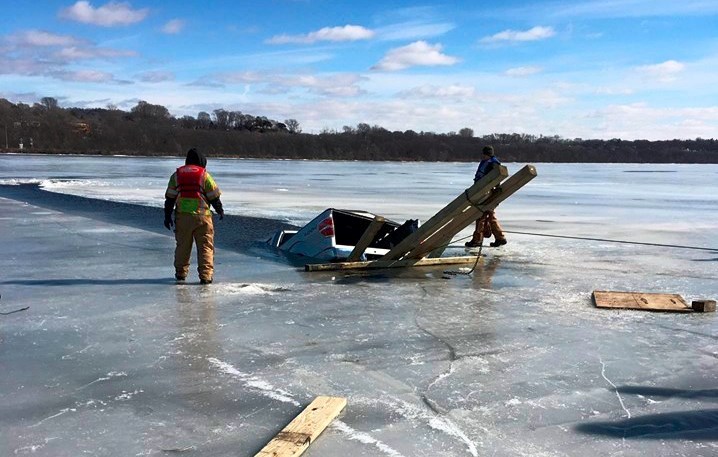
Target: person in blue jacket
(488,162)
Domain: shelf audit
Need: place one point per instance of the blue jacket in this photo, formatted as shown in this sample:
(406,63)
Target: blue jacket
(485,166)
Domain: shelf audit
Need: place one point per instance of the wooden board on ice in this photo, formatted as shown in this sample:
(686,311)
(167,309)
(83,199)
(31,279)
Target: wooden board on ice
(640,300)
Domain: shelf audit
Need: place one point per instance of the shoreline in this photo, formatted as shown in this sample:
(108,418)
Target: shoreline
(285,159)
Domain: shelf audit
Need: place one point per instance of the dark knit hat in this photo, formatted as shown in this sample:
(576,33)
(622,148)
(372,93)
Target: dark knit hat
(194,157)
(488,150)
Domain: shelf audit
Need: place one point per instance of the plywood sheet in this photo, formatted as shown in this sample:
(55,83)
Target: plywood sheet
(640,300)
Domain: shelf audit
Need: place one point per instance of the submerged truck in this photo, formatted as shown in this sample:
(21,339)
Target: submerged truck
(333,235)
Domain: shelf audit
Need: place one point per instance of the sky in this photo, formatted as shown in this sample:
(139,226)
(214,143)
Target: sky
(595,69)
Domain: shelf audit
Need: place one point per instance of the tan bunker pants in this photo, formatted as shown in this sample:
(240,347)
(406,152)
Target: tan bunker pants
(496,229)
(197,228)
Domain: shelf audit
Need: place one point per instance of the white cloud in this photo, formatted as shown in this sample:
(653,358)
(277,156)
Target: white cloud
(206,83)
(239,77)
(339,85)
(85,76)
(40,53)
(547,98)
(613,90)
(455,91)
(520,72)
(40,43)
(665,72)
(446,105)
(39,38)
(335,85)
(156,76)
(345,33)
(533,34)
(22,66)
(109,15)
(173,27)
(91,52)
(419,53)
(643,121)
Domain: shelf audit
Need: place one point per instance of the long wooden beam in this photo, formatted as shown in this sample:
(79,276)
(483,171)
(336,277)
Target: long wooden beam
(366,238)
(437,238)
(378,264)
(463,220)
(296,437)
(471,196)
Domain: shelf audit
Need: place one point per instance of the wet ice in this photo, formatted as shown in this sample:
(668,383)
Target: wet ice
(113,358)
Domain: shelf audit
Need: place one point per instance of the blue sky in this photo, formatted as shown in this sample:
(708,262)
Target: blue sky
(630,69)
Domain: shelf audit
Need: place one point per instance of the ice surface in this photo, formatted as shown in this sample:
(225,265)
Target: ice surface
(113,358)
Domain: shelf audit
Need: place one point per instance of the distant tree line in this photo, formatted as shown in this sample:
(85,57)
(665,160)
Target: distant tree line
(149,129)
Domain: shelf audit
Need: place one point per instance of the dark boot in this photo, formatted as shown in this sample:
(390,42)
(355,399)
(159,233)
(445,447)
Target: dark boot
(497,243)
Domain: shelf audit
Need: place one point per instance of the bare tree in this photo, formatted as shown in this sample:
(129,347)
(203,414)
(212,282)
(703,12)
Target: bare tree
(188,122)
(363,128)
(144,109)
(233,119)
(293,126)
(221,118)
(261,124)
(49,102)
(466,132)
(203,120)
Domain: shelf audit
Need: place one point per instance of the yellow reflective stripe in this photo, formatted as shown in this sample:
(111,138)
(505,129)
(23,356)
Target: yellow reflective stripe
(211,190)
(171,191)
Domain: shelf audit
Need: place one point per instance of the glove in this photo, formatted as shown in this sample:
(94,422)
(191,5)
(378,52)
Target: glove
(217,205)
(169,209)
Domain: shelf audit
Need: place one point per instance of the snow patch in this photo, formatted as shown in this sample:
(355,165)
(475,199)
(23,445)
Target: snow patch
(124,396)
(249,289)
(264,387)
(19,181)
(365,438)
(33,448)
(57,184)
(442,424)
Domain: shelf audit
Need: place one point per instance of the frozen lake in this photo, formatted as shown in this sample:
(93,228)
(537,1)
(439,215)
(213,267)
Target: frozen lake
(113,358)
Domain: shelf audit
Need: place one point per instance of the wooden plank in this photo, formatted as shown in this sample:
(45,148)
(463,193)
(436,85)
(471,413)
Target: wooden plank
(472,195)
(376,264)
(640,300)
(466,218)
(296,437)
(366,238)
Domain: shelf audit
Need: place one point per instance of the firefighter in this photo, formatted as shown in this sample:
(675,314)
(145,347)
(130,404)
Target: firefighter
(488,161)
(190,192)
